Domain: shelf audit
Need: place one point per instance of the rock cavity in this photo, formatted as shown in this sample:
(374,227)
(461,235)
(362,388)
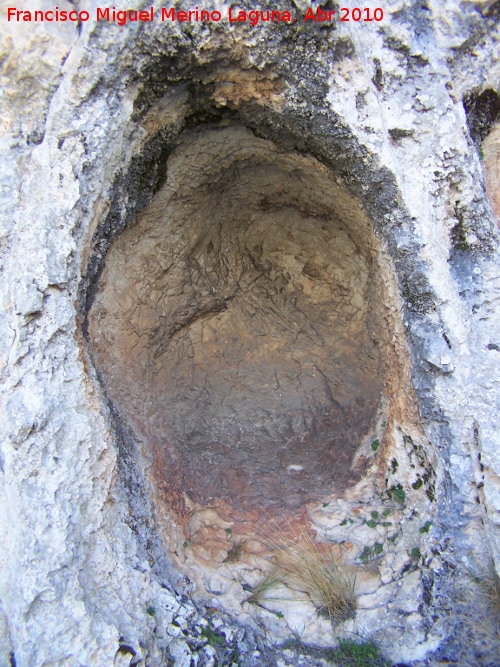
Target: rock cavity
(236,327)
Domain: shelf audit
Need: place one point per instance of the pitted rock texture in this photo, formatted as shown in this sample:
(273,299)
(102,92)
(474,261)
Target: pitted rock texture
(237,325)
(90,115)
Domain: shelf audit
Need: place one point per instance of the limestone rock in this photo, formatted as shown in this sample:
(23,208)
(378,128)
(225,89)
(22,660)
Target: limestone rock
(376,248)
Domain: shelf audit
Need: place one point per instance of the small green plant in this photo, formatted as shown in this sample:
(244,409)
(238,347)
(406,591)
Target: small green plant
(185,544)
(279,614)
(365,555)
(151,611)
(346,522)
(415,553)
(213,637)
(425,528)
(397,493)
(375,520)
(375,445)
(325,504)
(369,553)
(351,654)
(228,530)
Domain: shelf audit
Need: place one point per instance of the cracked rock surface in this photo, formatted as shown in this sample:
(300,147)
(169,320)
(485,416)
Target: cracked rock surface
(237,325)
(370,150)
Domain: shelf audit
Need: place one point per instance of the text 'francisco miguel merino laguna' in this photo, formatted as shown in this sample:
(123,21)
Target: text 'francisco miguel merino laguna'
(196,15)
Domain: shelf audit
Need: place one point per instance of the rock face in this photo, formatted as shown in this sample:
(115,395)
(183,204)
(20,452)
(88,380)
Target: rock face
(237,324)
(250,275)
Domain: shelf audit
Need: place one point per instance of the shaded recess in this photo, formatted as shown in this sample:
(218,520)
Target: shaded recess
(236,326)
(483,111)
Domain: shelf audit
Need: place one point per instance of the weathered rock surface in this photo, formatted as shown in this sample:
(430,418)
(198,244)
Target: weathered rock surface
(237,325)
(93,570)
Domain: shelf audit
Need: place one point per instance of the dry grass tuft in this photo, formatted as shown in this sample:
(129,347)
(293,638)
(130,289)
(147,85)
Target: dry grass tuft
(474,628)
(317,571)
(489,582)
(303,564)
(259,593)
(235,551)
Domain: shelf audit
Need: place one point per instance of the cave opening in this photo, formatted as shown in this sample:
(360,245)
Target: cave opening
(238,328)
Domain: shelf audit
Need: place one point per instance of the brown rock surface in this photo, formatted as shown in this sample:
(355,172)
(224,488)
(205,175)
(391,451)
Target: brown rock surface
(236,325)
(491,166)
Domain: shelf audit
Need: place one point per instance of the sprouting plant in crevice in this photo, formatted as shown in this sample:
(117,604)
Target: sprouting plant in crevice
(213,637)
(415,554)
(425,528)
(312,568)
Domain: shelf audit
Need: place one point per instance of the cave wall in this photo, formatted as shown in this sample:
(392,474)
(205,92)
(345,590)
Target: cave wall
(90,117)
(237,323)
